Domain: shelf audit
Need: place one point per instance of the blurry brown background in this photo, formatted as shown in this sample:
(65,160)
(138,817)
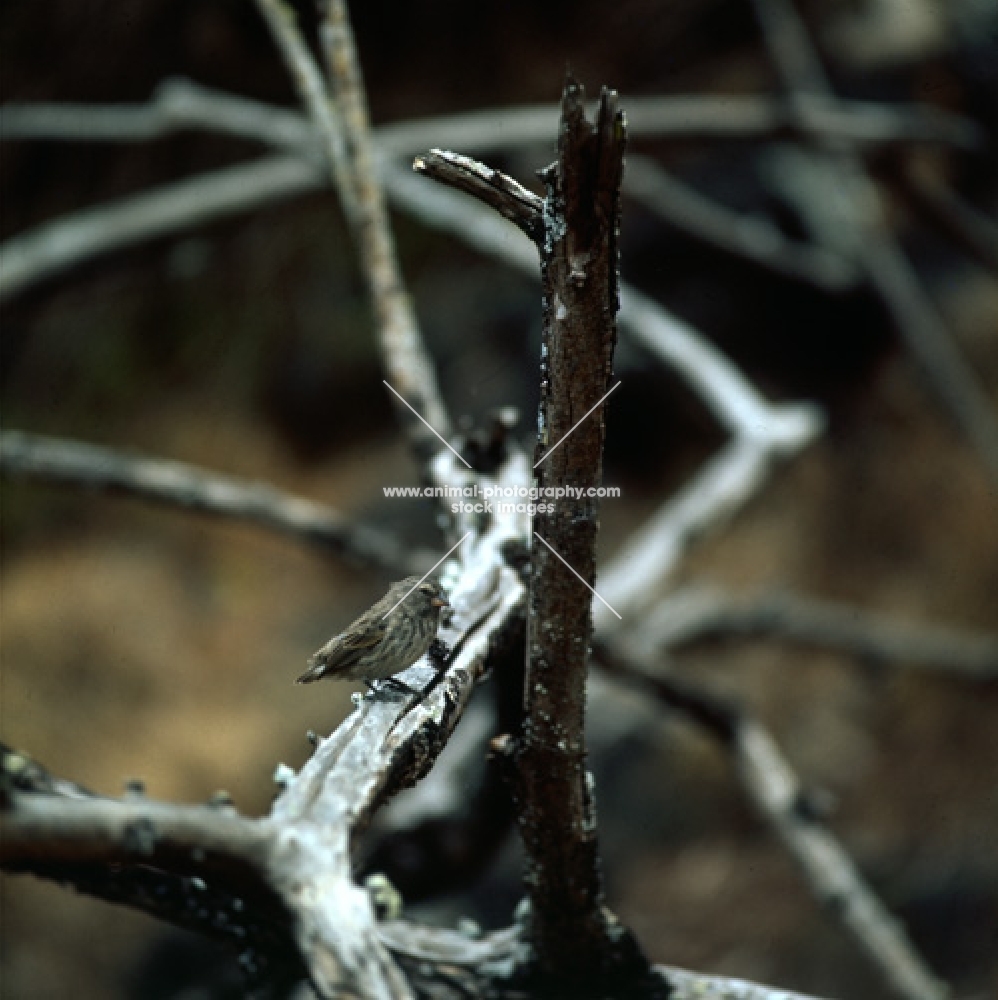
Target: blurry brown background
(143,642)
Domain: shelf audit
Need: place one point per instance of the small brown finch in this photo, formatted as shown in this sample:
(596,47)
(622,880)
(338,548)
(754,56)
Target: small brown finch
(384,640)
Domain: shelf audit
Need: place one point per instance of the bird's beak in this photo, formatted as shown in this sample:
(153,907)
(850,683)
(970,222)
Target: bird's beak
(439,602)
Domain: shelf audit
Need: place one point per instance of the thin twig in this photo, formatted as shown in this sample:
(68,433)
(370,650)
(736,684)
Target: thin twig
(498,190)
(312,91)
(782,800)
(345,130)
(697,613)
(680,205)
(178,484)
(406,360)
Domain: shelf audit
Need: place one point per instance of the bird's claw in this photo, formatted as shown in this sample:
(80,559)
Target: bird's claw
(388,684)
(438,653)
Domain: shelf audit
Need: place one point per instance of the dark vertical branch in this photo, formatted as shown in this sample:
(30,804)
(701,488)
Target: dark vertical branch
(573,934)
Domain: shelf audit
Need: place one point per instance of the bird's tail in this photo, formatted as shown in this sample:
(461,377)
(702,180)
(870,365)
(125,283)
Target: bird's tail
(316,669)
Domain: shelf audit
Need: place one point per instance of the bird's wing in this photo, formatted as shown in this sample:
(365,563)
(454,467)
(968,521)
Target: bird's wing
(360,638)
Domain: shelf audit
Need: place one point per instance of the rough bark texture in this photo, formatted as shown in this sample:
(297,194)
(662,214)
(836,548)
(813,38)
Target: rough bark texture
(574,936)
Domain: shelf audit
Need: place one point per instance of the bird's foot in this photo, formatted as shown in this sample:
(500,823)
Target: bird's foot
(438,652)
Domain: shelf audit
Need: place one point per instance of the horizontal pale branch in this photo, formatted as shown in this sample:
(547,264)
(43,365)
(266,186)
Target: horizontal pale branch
(75,463)
(181,104)
(200,868)
(184,839)
(69,240)
(698,613)
(177,105)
